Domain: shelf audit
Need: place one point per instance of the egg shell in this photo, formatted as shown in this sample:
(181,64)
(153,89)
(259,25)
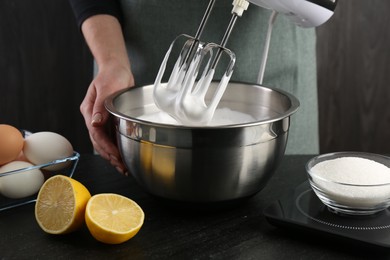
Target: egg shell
(45,147)
(11,143)
(20,184)
(22,157)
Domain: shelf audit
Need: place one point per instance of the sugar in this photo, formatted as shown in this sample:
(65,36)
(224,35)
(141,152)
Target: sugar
(222,116)
(354,171)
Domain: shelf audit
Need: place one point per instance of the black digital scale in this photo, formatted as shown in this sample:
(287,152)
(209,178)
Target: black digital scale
(303,209)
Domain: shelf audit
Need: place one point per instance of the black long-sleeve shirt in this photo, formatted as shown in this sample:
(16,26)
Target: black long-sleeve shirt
(83,9)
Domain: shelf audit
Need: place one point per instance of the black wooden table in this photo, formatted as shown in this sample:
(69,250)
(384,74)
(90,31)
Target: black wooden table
(169,232)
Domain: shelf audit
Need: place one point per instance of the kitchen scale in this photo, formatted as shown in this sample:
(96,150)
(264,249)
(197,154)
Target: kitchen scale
(302,209)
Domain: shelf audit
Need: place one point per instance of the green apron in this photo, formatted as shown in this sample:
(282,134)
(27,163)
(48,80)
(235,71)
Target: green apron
(151,25)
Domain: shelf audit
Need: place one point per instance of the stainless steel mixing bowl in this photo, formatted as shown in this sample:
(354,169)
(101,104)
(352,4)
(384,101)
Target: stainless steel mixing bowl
(204,164)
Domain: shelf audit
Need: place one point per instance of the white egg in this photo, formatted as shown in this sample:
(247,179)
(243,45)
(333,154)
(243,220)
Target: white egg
(44,147)
(20,184)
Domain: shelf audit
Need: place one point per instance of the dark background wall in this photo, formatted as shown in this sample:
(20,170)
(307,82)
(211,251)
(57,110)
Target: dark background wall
(45,68)
(354,76)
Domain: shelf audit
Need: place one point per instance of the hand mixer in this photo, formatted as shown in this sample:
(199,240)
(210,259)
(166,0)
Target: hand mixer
(183,96)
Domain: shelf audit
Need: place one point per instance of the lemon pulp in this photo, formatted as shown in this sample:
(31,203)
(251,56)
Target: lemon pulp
(113,218)
(60,205)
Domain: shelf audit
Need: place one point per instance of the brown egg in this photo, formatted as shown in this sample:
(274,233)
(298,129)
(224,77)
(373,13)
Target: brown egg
(11,143)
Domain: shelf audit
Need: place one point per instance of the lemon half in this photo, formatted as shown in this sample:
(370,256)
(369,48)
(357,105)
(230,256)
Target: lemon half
(60,205)
(113,218)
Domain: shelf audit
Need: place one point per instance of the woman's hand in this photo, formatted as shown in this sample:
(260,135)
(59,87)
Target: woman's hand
(112,77)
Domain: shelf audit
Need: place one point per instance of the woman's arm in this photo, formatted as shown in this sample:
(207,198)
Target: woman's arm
(104,37)
(103,34)
(105,40)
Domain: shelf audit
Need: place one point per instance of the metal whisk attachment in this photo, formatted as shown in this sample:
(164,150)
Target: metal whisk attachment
(184,95)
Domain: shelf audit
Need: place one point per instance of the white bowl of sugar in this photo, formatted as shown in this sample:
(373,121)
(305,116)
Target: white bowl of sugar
(352,183)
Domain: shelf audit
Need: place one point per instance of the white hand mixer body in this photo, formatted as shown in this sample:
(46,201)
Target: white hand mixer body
(304,13)
(183,96)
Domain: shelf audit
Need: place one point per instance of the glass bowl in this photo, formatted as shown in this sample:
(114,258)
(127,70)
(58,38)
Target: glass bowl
(20,187)
(351,183)
(7,202)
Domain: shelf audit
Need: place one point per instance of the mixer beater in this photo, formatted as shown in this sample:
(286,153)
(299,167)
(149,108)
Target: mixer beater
(183,96)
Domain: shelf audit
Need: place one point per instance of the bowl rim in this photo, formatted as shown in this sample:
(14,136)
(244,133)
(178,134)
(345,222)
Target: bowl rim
(346,154)
(109,105)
